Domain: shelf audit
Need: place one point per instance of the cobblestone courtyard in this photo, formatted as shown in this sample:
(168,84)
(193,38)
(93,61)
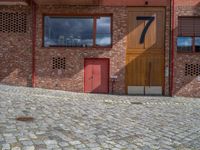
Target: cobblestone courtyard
(64,120)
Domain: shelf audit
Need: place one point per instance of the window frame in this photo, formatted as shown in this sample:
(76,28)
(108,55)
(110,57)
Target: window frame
(94,16)
(191,36)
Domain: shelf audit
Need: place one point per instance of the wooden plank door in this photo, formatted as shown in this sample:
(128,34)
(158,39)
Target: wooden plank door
(145,50)
(96,75)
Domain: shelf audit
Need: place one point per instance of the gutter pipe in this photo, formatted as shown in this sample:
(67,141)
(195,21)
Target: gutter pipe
(33,4)
(172,48)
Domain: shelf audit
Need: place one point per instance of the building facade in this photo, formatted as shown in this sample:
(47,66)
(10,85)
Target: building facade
(98,46)
(186,48)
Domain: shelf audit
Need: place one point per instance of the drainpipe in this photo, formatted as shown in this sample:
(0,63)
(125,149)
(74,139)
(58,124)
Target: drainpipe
(33,4)
(172,48)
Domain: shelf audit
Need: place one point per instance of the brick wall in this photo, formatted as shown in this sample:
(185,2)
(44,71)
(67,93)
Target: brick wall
(185,85)
(17,48)
(72,78)
(167,52)
(15,52)
(187,3)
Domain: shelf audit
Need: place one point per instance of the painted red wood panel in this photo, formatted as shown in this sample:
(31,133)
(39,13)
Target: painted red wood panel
(96,75)
(88,76)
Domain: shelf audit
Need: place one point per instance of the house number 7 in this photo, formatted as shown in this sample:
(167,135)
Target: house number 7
(150,20)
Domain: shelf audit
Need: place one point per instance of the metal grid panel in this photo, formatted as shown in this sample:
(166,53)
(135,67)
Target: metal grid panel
(59,63)
(13,22)
(192,69)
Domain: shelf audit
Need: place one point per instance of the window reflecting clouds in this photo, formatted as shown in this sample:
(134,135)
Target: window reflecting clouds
(103,34)
(71,32)
(184,44)
(197,44)
(77,31)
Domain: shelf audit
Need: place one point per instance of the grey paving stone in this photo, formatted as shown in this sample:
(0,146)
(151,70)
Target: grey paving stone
(27,143)
(75,142)
(50,142)
(66,120)
(5,146)
(16,148)
(29,148)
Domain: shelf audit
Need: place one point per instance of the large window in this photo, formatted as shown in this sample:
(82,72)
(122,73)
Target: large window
(78,31)
(189,34)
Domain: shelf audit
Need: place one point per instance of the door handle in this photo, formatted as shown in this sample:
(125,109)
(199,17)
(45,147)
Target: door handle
(150,68)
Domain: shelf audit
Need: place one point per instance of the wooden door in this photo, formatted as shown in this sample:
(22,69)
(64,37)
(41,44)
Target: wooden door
(145,50)
(96,75)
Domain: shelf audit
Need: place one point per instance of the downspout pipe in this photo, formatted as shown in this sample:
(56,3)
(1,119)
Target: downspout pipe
(172,47)
(33,5)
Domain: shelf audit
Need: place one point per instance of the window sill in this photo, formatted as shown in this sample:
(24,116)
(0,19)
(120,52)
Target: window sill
(190,53)
(86,48)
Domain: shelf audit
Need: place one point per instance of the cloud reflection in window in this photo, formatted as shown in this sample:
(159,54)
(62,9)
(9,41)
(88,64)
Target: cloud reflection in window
(70,32)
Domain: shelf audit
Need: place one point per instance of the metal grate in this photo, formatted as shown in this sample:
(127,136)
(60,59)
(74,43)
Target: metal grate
(136,103)
(25,118)
(59,63)
(13,22)
(192,69)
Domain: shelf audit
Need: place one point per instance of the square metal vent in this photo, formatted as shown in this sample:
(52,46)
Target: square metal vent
(15,22)
(59,63)
(192,69)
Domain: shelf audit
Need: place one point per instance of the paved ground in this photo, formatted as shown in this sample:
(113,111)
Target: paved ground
(65,120)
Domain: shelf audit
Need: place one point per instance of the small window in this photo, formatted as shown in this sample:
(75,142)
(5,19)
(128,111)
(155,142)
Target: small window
(197,44)
(189,34)
(184,44)
(103,34)
(77,31)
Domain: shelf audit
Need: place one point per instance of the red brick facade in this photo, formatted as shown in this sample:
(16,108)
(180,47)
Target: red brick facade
(185,85)
(16,52)
(72,78)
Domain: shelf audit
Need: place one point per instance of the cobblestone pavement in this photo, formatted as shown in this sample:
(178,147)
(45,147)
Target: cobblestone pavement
(64,120)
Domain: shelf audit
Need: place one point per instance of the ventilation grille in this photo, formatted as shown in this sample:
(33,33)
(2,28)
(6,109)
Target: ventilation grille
(13,22)
(59,62)
(192,69)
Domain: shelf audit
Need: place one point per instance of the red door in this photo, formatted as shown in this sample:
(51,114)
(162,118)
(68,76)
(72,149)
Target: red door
(96,75)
